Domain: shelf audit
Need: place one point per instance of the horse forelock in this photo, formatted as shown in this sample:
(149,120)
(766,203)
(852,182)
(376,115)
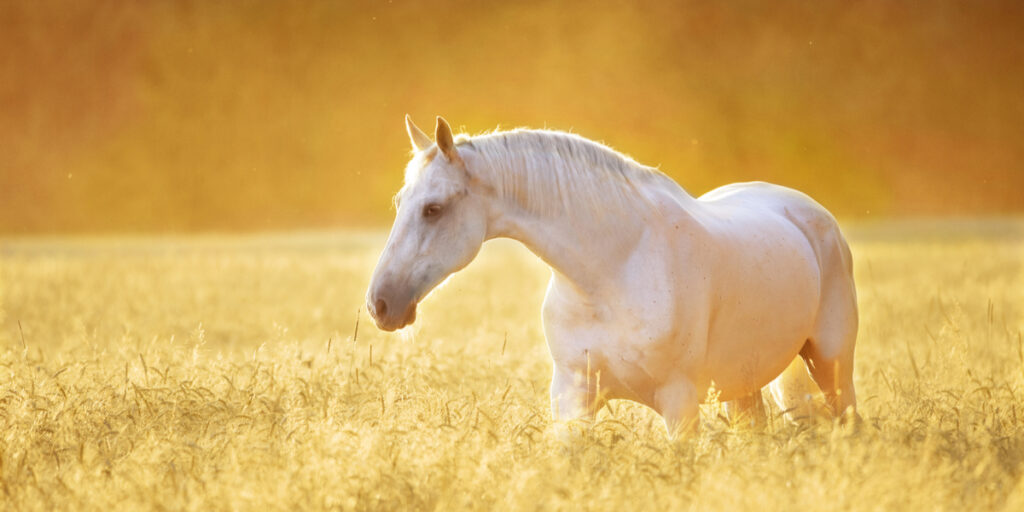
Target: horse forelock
(420,160)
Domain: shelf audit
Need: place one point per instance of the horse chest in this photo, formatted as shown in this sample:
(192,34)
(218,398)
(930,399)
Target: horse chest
(631,341)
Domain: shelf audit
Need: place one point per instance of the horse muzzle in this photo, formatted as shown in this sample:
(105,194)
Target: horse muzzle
(391,315)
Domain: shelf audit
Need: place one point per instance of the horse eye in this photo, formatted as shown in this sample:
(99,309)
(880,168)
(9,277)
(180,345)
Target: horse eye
(431,210)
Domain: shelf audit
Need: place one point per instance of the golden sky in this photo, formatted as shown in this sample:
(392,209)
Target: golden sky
(197,116)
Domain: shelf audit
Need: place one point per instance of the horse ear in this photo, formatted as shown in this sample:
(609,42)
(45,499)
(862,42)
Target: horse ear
(419,140)
(443,136)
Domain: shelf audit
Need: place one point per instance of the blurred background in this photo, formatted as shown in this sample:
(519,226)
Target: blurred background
(222,116)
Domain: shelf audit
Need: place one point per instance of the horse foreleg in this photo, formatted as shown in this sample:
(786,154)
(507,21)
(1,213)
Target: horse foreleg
(678,404)
(575,401)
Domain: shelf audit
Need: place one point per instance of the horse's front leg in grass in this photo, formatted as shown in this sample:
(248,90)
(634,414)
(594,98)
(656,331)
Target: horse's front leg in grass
(575,402)
(678,404)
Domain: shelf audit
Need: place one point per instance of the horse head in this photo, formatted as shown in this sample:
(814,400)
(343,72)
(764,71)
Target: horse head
(439,227)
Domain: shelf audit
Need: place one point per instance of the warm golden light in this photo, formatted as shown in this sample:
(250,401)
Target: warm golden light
(197,280)
(139,116)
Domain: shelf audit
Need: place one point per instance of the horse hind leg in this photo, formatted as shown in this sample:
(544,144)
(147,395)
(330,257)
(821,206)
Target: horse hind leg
(797,395)
(834,376)
(829,353)
(748,409)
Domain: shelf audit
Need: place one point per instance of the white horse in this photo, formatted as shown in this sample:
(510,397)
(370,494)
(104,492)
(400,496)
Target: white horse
(655,295)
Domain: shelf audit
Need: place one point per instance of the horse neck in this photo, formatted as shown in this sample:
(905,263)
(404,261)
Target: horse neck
(584,255)
(586,242)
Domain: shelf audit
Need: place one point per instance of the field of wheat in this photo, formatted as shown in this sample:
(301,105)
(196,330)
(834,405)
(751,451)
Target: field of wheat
(222,373)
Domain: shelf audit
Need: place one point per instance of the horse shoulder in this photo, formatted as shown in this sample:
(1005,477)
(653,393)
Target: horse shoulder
(638,330)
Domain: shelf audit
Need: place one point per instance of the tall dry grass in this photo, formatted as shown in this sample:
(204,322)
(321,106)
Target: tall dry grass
(227,373)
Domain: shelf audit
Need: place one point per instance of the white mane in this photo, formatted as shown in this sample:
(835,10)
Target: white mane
(551,172)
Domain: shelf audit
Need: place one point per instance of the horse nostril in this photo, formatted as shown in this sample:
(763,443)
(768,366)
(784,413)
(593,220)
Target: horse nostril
(380,307)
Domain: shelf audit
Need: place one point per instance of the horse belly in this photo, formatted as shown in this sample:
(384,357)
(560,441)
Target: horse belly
(762,312)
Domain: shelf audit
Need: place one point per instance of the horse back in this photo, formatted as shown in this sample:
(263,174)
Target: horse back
(818,226)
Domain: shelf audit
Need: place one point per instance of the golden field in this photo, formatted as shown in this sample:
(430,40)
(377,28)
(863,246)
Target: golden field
(221,373)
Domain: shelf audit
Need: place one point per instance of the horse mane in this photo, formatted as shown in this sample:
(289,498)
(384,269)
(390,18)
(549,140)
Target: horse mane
(550,172)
